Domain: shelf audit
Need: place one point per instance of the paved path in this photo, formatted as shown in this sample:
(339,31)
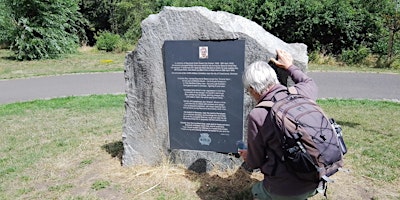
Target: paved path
(331,85)
(357,85)
(17,90)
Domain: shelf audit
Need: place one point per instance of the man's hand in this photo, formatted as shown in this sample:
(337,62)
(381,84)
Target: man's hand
(243,154)
(285,60)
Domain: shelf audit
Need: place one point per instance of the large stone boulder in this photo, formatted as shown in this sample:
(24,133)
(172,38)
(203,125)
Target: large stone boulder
(145,130)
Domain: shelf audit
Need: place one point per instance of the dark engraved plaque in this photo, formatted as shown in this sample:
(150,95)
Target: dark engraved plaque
(205,94)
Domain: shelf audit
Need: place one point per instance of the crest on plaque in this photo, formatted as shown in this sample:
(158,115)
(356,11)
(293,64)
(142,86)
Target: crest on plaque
(205,139)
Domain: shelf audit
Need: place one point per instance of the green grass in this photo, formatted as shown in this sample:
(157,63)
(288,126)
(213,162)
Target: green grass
(372,131)
(88,60)
(100,184)
(43,130)
(69,148)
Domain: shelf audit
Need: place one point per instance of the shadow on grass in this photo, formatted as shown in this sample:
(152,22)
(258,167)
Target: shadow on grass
(12,58)
(6,54)
(115,149)
(236,186)
(348,124)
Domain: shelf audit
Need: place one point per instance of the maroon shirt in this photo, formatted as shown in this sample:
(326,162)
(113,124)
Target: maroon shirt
(263,141)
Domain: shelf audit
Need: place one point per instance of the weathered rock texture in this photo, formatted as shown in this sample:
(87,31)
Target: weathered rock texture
(145,131)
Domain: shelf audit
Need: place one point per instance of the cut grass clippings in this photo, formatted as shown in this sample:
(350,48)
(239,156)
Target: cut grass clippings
(70,148)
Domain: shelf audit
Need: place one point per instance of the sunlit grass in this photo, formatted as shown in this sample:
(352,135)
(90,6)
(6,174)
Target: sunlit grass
(85,61)
(70,148)
(372,132)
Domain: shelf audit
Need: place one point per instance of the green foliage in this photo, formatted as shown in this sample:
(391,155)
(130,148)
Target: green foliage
(392,23)
(99,14)
(319,58)
(388,47)
(355,56)
(329,26)
(5,25)
(107,41)
(129,14)
(44,29)
(396,63)
(122,17)
(110,42)
(385,62)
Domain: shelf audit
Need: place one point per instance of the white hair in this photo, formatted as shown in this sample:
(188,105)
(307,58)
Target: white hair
(260,76)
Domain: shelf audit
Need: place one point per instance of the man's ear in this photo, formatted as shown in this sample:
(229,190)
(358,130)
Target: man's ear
(253,93)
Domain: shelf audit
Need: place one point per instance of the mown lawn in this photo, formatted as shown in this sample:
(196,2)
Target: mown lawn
(70,148)
(87,60)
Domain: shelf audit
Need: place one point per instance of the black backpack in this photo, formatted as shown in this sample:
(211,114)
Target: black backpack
(312,144)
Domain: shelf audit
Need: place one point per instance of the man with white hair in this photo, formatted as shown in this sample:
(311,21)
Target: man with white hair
(264,146)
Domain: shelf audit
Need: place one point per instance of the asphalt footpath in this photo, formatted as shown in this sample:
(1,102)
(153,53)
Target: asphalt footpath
(20,90)
(343,85)
(354,85)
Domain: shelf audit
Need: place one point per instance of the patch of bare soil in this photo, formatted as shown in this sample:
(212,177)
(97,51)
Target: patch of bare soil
(350,185)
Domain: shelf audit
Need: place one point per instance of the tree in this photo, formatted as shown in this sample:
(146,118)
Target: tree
(99,14)
(44,28)
(393,24)
(388,15)
(330,25)
(5,25)
(128,16)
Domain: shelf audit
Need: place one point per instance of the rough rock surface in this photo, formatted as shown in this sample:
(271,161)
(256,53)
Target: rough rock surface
(145,130)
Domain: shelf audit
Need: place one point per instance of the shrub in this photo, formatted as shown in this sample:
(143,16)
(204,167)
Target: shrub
(124,45)
(41,29)
(355,56)
(384,62)
(107,41)
(320,58)
(396,63)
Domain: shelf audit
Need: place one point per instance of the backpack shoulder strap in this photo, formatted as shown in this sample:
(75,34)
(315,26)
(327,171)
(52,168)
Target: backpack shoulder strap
(265,104)
(269,104)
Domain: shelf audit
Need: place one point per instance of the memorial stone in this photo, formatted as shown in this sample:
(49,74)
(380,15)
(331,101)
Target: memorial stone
(146,124)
